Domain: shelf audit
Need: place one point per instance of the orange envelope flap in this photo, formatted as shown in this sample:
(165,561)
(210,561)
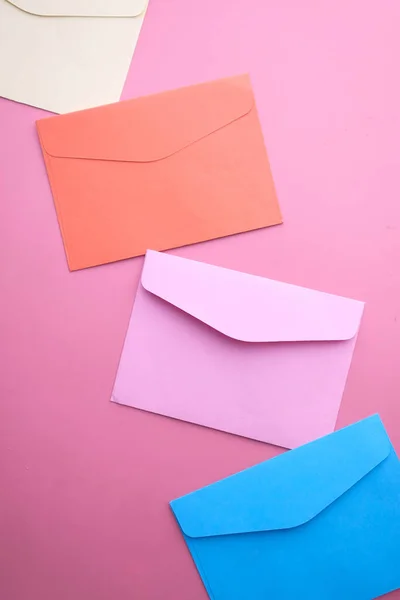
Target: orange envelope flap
(81,8)
(249,308)
(149,128)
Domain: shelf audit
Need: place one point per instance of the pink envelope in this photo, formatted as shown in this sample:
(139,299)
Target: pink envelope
(236,352)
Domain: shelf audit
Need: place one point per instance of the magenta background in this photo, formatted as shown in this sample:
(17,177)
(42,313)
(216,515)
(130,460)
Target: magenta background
(84,482)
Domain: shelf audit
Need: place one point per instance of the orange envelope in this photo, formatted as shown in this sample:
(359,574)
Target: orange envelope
(159,172)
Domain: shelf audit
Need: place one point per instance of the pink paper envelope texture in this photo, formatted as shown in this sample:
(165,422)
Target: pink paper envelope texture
(236,352)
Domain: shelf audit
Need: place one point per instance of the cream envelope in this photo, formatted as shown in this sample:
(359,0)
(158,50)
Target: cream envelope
(236,352)
(66,55)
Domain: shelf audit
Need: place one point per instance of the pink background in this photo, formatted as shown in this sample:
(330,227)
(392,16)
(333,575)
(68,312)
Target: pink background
(84,482)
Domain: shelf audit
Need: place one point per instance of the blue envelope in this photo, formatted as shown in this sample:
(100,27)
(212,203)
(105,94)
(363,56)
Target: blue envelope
(321,522)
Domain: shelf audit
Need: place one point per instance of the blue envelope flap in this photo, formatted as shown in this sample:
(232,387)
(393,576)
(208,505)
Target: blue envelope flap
(286,491)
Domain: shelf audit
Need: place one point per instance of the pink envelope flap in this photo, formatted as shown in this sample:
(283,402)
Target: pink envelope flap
(249,308)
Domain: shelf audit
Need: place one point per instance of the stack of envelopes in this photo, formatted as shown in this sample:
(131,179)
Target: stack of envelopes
(239,353)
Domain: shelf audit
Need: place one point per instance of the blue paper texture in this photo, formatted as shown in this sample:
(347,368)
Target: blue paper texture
(321,522)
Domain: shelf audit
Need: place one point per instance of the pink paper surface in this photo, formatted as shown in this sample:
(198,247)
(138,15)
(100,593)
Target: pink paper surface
(84,482)
(250,308)
(236,352)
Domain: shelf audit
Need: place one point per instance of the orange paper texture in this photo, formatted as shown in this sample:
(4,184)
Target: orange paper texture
(159,172)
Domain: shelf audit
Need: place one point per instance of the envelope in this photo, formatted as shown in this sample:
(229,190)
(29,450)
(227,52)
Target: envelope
(65,55)
(236,352)
(321,522)
(159,172)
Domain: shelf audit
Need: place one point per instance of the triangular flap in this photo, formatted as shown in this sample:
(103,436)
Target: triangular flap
(81,8)
(286,491)
(250,308)
(149,128)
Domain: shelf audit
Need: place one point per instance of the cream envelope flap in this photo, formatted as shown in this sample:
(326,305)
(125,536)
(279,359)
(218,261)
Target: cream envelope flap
(67,55)
(81,8)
